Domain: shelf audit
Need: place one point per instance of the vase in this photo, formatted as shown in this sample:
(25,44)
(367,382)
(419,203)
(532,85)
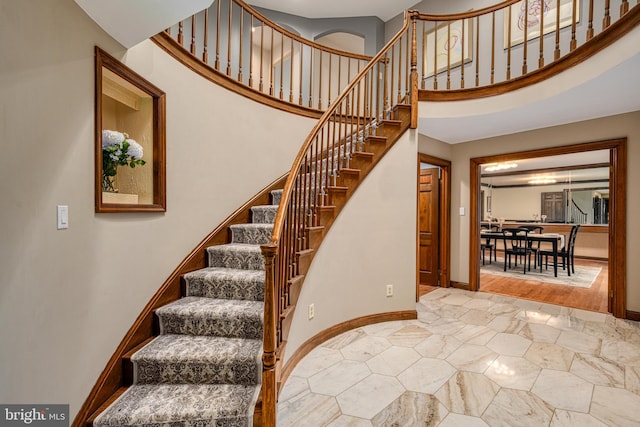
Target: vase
(108,182)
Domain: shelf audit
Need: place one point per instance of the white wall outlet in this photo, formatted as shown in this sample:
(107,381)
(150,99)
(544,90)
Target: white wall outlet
(389,290)
(63,217)
(312,311)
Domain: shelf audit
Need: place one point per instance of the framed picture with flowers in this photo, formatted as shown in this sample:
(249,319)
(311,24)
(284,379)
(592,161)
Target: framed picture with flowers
(130,172)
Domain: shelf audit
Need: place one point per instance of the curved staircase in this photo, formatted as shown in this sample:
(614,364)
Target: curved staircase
(205,367)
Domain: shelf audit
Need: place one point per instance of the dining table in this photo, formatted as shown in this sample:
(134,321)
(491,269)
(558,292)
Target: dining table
(556,240)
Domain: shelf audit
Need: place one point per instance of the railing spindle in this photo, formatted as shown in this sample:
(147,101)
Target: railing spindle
(180,31)
(310,77)
(509,43)
(193,35)
(205,52)
(477,61)
(229,38)
(462,63)
(407,66)
(574,42)
(392,77)
(606,21)
(241,39)
(300,74)
(556,52)
(320,82)
(330,77)
(253,28)
(387,77)
(541,58)
(424,56)
(271,65)
(526,34)
(590,26)
(435,56)
(400,62)
(261,83)
(291,70)
(493,46)
(447,44)
(217,63)
(624,7)
(281,64)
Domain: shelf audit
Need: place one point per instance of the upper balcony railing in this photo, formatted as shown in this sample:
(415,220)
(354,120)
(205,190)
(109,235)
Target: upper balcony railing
(246,47)
(466,55)
(496,47)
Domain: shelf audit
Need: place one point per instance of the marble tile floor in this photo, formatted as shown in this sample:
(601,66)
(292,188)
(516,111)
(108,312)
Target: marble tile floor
(472,359)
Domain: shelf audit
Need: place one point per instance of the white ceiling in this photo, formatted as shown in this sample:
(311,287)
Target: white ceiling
(383,9)
(615,91)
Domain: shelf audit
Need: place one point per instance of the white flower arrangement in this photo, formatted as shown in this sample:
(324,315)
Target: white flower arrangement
(118,150)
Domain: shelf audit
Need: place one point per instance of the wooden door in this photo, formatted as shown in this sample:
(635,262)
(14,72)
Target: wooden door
(429,221)
(553,206)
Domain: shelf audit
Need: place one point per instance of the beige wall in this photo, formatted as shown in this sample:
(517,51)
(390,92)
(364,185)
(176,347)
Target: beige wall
(434,147)
(68,297)
(624,125)
(348,276)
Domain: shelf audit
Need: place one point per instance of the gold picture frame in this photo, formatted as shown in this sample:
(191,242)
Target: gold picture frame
(547,9)
(448,46)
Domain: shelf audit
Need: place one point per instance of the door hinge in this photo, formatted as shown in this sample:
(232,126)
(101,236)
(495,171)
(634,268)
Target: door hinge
(611,294)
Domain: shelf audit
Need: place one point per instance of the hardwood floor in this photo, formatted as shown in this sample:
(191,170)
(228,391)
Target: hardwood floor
(593,298)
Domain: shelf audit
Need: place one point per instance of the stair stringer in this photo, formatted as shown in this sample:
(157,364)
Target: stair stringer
(388,133)
(112,381)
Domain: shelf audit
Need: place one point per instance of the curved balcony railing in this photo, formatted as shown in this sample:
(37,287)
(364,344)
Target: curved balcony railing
(498,45)
(486,49)
(243,45)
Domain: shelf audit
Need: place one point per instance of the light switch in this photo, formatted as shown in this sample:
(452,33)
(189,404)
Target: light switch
(461,211)
(63,217)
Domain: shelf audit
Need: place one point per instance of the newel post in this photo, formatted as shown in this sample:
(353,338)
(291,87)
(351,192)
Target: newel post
(269,391)
(414,71)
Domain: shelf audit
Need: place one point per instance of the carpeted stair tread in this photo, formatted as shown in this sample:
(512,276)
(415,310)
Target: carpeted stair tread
(212,317)
(226,283)
(264,214)
(189,359)
(253,234)
(236,255)
(276,196)
(178,405)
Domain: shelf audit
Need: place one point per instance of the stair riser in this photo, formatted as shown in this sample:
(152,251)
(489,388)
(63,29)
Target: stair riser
(276,196)
(230,327)
(231,371)
(251,235)
(264,214)
(235,259)
(221,288)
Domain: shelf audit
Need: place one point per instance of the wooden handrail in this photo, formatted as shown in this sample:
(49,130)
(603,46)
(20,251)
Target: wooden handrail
(334,145)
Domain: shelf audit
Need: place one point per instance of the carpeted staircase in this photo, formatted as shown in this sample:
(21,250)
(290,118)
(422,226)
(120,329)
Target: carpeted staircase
(204,369)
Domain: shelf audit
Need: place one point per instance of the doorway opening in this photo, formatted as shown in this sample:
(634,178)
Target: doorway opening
(434,238)
(616,227)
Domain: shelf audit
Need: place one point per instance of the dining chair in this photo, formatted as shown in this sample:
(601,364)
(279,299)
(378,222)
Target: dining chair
(491,246)
(516,243)
(534,245)
(565,254)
